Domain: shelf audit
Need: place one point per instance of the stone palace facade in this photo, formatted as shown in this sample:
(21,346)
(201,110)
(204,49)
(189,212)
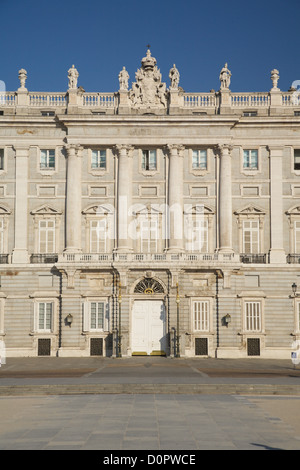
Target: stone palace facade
(150,221)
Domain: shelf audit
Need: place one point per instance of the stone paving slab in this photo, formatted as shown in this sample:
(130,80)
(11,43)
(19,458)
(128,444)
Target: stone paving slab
(179,422)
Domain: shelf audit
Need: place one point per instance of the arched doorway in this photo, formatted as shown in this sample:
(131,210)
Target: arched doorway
(148,333)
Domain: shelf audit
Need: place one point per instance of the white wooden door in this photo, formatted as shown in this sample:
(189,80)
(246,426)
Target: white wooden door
(148,327)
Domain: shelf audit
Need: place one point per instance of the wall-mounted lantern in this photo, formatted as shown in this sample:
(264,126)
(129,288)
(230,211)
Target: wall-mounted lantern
(69,320)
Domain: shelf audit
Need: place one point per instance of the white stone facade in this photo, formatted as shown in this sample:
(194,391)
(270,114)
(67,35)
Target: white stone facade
(150,220)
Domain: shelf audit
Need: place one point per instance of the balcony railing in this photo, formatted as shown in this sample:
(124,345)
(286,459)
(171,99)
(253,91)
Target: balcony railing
(198,103)
(249,258)
(293,258)
(148,257)
(99,100)
(48,99)
(252,100)
(200,100)
(47,258)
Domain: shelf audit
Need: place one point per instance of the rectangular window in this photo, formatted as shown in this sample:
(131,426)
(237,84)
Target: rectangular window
(251,159)
(46,236)
(1,159)
(97,315)
(45,316)
(197,235)
(47,159)
(201,315)
(253,316)
(251,236)
(297,159)
(200,159)
(99,159)
(149,160)
(297,236)
(98,236)
(149,233)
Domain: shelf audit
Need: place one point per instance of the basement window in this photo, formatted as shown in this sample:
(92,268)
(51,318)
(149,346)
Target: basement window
(250,113)
(48,113)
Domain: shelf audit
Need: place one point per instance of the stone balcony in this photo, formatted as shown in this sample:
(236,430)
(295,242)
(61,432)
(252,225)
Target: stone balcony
(147,259)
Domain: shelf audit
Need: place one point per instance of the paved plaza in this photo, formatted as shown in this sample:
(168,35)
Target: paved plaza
(149,422)
(148,403)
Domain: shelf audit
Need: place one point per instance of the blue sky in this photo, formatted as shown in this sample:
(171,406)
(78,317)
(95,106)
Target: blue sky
(100,37)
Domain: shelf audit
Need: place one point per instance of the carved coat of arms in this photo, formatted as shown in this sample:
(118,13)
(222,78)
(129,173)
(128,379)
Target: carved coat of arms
(148,91)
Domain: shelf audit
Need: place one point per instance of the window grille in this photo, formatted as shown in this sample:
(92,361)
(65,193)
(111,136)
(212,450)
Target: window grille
(201,315)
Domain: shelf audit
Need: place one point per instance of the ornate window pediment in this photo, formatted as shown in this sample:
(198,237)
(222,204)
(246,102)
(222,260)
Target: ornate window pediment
(250,210)
(294,211)
(147,211)
(46,210)
(4,211)
(97,210)
(199,209)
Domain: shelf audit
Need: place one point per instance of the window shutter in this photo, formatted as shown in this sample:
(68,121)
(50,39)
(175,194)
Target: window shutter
(1,236)
(297,236)
(85,317)
(106,321)
(152,160)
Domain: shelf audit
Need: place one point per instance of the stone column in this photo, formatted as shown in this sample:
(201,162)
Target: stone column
(225,200)
(20,252)
(124,199)
(277,253)
(175,198)
(73,199)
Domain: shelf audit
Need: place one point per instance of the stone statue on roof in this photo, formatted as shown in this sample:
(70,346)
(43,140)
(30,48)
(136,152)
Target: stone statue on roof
(174,77)
(73,77)
(225,77)
(123,79)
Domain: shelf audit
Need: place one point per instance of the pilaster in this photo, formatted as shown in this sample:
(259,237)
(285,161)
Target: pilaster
(20,251)
(225,199)
(277,253)
(175,198)
(73,199)
(124,191)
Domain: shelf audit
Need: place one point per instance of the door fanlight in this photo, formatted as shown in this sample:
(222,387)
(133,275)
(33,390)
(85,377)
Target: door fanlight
(148,285)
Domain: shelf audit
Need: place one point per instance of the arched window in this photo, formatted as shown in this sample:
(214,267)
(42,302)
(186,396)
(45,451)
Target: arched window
(148,285)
